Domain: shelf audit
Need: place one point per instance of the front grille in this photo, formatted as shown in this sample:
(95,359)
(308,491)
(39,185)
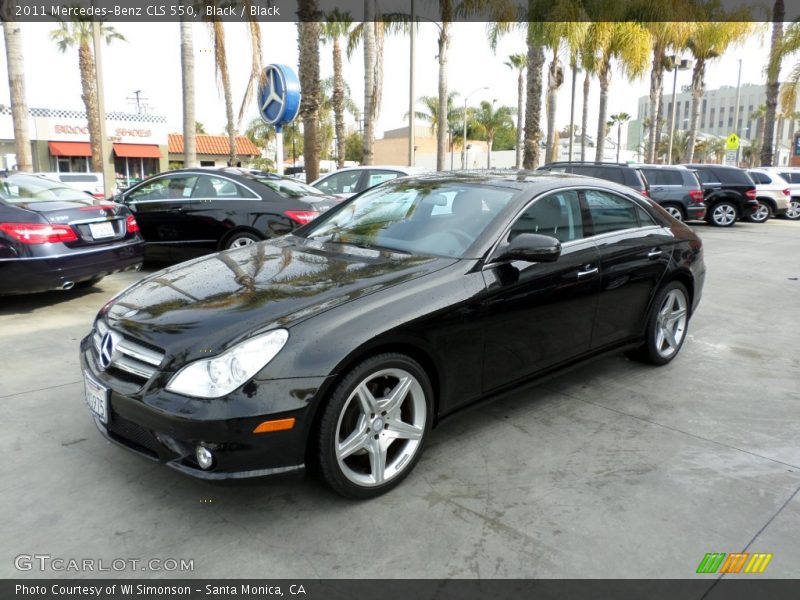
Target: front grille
(139,362)
(134,436)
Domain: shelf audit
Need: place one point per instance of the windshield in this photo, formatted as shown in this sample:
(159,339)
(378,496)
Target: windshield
(19,189)
(417,217)
(289,188)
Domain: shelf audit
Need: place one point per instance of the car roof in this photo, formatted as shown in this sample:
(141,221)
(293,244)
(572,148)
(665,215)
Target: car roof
(403,168)
(649,166)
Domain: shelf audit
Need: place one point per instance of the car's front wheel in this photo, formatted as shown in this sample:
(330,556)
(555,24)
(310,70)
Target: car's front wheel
(374,426)
(761,214)
(666,325)
(722,214)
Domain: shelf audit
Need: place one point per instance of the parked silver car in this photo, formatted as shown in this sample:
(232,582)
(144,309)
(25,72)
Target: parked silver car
(352,180)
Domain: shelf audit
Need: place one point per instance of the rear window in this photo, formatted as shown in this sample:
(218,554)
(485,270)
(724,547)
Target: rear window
(706,176)
(20,189)
(289,188)
(614,174)
(791,177)
(663,176)
(762,178)
(72,178)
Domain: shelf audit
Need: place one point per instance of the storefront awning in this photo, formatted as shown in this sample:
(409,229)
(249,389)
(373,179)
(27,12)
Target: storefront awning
(137,151)
(70,148)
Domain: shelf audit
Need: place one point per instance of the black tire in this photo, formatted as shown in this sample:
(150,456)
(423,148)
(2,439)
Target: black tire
(241,239)
(89,282)
(675,210)
(722,214)
(793,214)
(649,351)
(762,214)
(344,405)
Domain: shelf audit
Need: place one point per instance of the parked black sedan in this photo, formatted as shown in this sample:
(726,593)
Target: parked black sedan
(56,237)
(346,341)
(189,212)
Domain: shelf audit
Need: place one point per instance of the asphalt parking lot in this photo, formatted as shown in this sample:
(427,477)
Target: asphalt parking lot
(616,470)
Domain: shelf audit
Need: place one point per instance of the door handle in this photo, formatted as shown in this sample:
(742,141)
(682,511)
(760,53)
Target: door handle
(587,271)
(654,253)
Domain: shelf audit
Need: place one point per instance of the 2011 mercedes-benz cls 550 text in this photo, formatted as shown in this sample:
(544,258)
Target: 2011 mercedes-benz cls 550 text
(345,342)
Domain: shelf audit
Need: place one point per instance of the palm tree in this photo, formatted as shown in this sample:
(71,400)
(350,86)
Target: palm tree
(16,87)
(758,116)
(773,86)
(309,32)
(709,40)
(327,108)
(588,61)
(79,33)
(431,113)
(337,26)
(618,119)
(664,35)
(488,121)
(518,62)
(716,147)
(629,44)
(187,87)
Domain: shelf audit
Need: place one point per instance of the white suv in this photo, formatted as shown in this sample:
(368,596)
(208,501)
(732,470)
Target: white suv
(91,183)
(773,194)
(792,175)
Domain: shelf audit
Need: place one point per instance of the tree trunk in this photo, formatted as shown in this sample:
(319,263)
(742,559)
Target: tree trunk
(16,87)
(221,60)
(656,91)
(773,86)
(587,80)
(553,77)
(89,97)
(604,75)
(309,35)
(533,106)
(659,124)
(520,110)
(489,142)
(698,87)
(442,126)
(338,102)
(369,81)
(619,139)
(187,82)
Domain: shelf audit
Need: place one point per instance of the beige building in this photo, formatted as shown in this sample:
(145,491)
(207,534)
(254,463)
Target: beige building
(392,149)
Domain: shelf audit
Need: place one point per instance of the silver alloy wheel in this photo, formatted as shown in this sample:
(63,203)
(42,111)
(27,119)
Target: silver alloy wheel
(794,210)
(671,323)
(674,212)
(723,214)
(241,242)
(761,214)
(380,427)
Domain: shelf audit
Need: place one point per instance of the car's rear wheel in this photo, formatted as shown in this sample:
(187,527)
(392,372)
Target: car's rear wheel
(666,325)
(761,214)
(793,213)
(374,426)
(241,239)
(722,214)
(675,211)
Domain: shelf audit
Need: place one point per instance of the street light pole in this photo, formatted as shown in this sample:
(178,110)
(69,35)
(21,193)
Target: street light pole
(464,141)
(411,93)
(736,108)
(677,65)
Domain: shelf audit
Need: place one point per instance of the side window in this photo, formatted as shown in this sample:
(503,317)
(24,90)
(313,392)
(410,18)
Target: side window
(761,178)
(706,176)
(557,215)
(610,212)
(664,177)
(645,220)
(340,183)
(376,177)
(165,188)
(218,187)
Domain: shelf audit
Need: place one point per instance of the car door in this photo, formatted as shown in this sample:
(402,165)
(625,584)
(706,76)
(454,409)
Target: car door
(161,205)
(634,254)
(539,315)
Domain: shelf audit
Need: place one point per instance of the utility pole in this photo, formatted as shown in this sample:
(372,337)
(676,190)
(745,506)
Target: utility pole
(736,109)
(107,166)
(411,91)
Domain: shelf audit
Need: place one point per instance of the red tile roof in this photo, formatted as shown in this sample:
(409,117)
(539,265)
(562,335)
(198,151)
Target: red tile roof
(214,144)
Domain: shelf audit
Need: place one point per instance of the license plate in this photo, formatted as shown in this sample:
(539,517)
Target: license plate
(101,230)
(96,398)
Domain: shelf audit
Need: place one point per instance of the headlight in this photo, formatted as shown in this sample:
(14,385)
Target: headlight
(218,376)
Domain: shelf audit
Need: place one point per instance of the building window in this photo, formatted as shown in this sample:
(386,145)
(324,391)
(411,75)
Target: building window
(208,163)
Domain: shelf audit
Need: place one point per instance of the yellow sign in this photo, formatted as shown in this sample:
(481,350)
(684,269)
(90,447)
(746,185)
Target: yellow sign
(732,143)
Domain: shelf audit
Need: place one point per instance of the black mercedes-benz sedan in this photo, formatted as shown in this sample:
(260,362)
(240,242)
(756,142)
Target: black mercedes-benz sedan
(190,212)
(56,237)
(345,342)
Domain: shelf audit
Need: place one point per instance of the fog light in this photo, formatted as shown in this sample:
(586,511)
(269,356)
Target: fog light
(204,458)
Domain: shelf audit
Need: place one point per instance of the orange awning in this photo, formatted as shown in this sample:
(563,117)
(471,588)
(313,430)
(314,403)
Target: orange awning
(137,151)
(70,148)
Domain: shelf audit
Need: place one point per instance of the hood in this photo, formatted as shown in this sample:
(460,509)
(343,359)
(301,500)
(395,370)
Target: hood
(205,305)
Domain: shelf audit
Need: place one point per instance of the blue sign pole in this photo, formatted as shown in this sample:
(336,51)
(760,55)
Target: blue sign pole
(279,103)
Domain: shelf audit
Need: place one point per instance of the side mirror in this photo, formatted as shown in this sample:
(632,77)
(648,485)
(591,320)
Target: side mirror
(530,247)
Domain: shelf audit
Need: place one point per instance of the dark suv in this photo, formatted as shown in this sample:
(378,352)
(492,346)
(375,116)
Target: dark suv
(617,172)
(730,193)
(676,189)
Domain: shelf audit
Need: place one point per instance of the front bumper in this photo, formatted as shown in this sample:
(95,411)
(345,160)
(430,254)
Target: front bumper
(43,273)
(167,427)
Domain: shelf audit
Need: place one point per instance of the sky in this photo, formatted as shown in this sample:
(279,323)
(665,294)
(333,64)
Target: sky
(150,61)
